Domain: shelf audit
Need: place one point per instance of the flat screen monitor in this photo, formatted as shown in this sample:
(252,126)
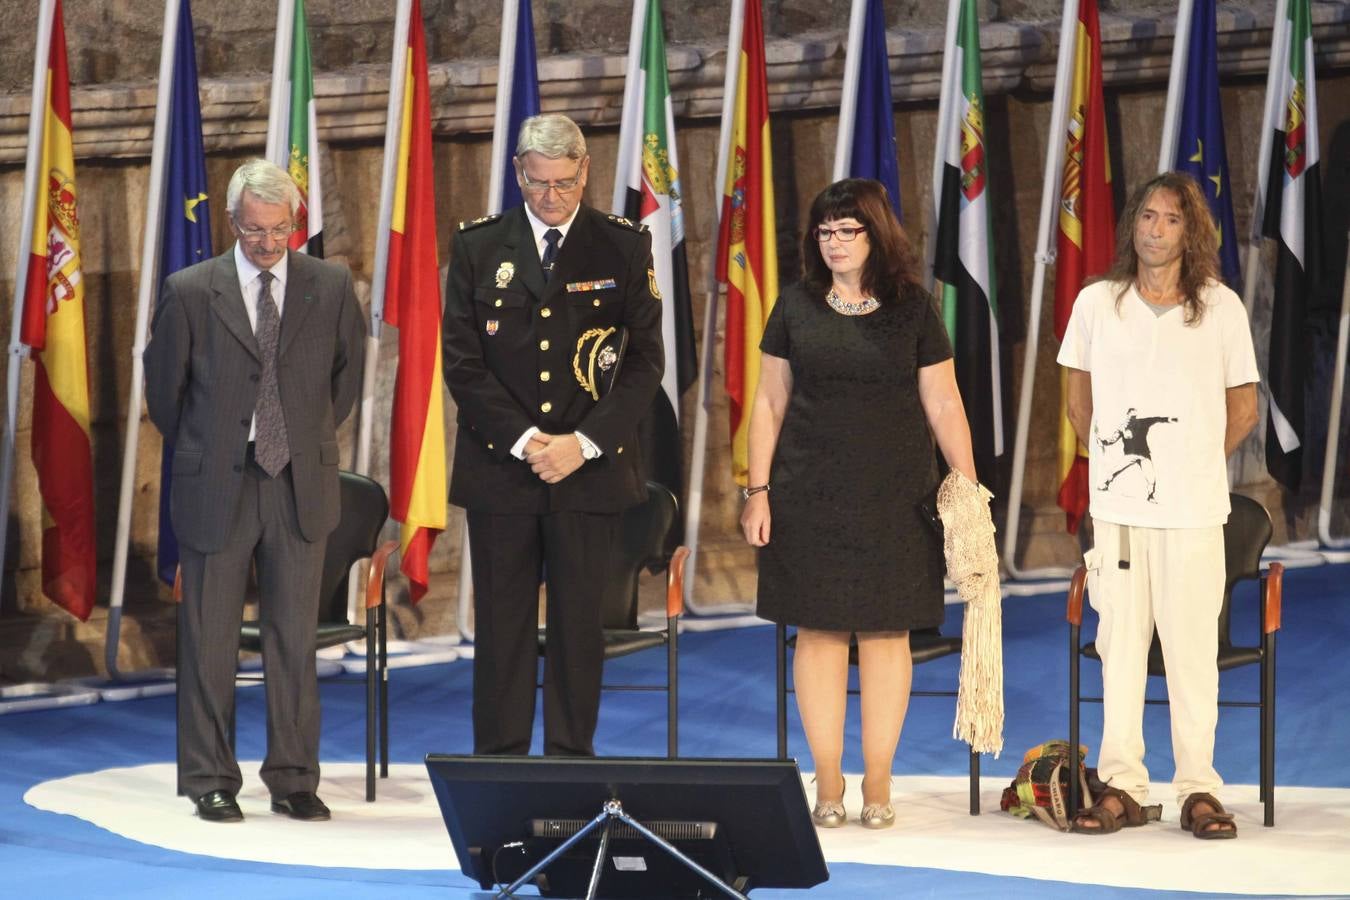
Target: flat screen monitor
(745,820)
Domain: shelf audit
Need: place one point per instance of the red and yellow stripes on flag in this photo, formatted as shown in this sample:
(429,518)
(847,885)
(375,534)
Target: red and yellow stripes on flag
(53,326)
(747,255)
(413,306)
(1086,239)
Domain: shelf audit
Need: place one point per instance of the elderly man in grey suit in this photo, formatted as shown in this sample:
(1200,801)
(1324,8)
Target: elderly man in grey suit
(254,360)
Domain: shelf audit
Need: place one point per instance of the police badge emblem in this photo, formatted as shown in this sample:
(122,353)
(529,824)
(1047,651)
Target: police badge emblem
(505,272)
(651,283)
(491,326)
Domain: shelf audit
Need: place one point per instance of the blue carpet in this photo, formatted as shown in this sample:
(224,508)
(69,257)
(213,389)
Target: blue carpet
(726,710)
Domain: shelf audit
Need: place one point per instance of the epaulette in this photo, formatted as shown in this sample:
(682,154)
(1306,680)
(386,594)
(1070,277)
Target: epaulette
(481,220)
(626,223)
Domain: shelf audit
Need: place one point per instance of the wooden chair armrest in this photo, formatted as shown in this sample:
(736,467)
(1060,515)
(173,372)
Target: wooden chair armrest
(675,583)
(1274,596)
(1074,613)
(375,581)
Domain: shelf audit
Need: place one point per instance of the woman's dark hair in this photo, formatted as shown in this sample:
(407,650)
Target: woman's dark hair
(890,263)
(1199,243)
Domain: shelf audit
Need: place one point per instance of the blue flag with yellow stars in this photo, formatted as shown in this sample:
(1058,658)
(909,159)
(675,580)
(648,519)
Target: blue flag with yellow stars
(1200,145)
(874,152)
(524,76)
(187,226)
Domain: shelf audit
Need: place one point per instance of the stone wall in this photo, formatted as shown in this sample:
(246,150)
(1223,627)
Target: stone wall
(114,58)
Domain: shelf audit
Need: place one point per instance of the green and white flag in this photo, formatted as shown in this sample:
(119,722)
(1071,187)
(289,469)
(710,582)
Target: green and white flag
(963,260)
(1293,216)
(648,191)
(292,127)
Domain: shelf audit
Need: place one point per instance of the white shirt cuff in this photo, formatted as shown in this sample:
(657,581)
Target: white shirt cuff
(518,448)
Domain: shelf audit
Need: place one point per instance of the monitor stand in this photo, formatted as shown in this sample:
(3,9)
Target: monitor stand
(611,812)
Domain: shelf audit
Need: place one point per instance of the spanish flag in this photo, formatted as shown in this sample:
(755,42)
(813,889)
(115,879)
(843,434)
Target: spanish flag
(747,253)
(413,306)
(53,327)
(1087,234)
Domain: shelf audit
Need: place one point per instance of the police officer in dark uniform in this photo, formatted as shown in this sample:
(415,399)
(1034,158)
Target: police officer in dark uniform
(539,301)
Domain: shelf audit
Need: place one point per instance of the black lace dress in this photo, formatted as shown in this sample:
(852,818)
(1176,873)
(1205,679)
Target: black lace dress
(848,548)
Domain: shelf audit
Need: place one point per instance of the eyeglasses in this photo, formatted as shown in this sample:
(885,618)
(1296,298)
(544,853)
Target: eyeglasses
(562,186)
(280,233)
(845,233)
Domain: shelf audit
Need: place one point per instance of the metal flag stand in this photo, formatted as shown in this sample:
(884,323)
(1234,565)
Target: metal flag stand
(611,812)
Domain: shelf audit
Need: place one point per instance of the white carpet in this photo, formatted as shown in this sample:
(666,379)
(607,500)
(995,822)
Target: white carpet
(1307,853)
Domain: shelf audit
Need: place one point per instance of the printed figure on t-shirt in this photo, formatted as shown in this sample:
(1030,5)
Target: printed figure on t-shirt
(1132,435)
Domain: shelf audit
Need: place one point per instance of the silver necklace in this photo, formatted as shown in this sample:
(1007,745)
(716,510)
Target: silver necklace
(847,308)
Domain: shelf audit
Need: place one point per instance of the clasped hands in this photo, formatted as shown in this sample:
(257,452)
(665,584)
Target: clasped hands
(553,456)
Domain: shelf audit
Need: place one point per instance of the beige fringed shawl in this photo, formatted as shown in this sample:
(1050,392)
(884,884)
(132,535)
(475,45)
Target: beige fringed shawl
(972,565)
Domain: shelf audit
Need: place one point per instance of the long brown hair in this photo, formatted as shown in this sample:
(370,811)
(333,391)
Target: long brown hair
(890,263)
(1199,241)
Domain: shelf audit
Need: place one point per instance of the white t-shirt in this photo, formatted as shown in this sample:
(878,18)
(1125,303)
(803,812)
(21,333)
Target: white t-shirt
(1155,454)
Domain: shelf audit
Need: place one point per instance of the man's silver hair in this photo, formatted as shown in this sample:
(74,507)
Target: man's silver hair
(552,135)
(265,180)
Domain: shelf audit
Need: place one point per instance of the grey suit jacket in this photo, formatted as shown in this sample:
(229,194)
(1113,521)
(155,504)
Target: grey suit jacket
(202,369)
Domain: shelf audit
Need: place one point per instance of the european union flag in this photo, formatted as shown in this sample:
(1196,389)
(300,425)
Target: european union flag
(874,151)
(524,98)
(1200,145)
(187,225)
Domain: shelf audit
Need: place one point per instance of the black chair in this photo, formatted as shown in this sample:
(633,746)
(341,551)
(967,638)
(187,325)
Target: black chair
(925,645)
(357,537)
(643,533)
(1245,537)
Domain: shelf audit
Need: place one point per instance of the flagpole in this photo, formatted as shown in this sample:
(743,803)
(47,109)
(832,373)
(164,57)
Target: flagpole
(630,122)
(500,121)
(279,108)
(1051,190)
(150,247)
(848,98)
(1278,54)
(947,106)
(694,508)
(506,56)
(1176,87)
(393,130)
(18,351)
(1334,423)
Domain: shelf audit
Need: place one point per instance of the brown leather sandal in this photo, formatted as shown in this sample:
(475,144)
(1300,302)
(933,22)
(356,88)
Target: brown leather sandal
(1107,820)
(1198,824)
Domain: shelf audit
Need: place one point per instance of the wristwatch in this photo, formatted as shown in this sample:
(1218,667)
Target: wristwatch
(588,449)
(748,492)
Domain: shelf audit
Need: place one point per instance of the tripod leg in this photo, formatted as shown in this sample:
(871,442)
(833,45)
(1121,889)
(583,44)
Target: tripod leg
(600,855)
(544,863)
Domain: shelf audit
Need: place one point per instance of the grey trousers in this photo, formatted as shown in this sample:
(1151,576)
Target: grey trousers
(264,532)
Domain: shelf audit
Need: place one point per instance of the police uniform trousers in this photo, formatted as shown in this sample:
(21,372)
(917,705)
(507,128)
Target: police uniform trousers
(1174,580)
(570,552)
(266,532)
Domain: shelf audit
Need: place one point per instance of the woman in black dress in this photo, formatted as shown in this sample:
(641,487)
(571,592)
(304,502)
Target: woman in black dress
(856,382)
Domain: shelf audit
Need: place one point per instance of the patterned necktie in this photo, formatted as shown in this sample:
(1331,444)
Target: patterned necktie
(551,239)
(271,449)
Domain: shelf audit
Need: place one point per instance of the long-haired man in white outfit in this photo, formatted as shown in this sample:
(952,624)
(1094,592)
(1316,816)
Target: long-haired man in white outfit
(1160,341)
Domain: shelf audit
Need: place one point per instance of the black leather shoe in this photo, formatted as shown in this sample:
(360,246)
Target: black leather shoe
(303,805)
(218,806)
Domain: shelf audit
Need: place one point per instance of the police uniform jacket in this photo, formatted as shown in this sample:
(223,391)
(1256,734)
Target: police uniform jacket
(510,343)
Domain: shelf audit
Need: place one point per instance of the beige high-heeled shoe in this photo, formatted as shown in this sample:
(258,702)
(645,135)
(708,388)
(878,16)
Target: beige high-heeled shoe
(877,816)
(829,813)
